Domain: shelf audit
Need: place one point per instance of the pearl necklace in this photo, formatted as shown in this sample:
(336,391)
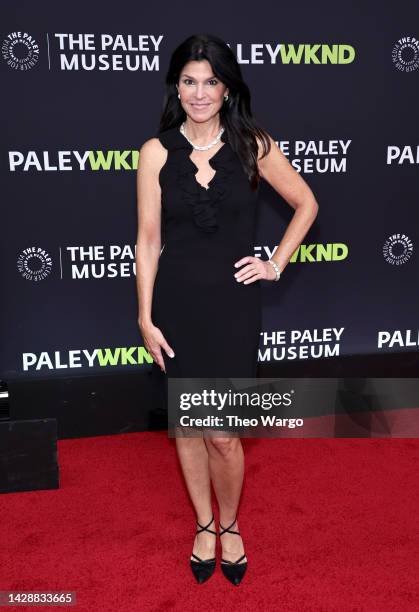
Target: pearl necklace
(206,147)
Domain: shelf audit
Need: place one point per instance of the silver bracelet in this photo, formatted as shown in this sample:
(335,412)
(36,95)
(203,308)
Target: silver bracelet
(276,268)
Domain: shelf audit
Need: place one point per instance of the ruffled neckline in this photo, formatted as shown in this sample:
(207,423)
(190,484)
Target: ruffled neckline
(203,201)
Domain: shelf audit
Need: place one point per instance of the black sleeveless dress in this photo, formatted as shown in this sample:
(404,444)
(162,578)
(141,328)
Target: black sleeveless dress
(212,321)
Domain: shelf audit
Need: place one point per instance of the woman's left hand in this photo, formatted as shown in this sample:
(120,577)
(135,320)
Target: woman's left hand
(256,269)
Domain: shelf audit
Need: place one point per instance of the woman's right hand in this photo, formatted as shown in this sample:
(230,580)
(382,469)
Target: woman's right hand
(154,342)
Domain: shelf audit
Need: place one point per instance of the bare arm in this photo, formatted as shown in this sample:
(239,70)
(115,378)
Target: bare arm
(151,159)
(149,219)
(280,174)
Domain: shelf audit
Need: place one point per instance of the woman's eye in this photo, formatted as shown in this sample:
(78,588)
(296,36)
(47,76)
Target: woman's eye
(214,81)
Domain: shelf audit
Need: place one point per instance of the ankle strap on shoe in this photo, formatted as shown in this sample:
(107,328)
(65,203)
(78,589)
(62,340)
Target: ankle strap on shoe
(205,528)
(224,529)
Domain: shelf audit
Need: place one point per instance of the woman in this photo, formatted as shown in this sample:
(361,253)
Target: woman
(199,297)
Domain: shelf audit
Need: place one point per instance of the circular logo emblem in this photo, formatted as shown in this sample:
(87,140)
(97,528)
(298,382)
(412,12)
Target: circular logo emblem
(397,249)
(34,264)
(405,54)
(20,51)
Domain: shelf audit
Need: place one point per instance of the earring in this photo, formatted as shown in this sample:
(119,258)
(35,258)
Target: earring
(178,95)
(226,98)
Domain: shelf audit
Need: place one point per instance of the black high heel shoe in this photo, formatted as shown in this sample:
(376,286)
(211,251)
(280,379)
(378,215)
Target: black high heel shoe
(233,570)
(203,568)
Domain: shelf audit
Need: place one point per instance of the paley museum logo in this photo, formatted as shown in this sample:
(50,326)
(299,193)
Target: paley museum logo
(20,51)
(405,54)
(34,263)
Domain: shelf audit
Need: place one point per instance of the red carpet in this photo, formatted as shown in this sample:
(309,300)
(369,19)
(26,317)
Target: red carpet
(328,524)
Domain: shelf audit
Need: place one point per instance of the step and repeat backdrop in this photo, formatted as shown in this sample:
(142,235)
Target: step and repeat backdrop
(82,89)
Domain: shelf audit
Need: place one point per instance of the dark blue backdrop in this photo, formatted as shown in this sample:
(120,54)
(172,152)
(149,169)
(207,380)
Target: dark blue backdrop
(335,85)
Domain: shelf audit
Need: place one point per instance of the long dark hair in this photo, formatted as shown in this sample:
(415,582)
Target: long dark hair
(235,114)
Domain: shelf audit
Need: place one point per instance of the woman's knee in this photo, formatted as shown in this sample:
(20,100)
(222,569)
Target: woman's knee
(222,445)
